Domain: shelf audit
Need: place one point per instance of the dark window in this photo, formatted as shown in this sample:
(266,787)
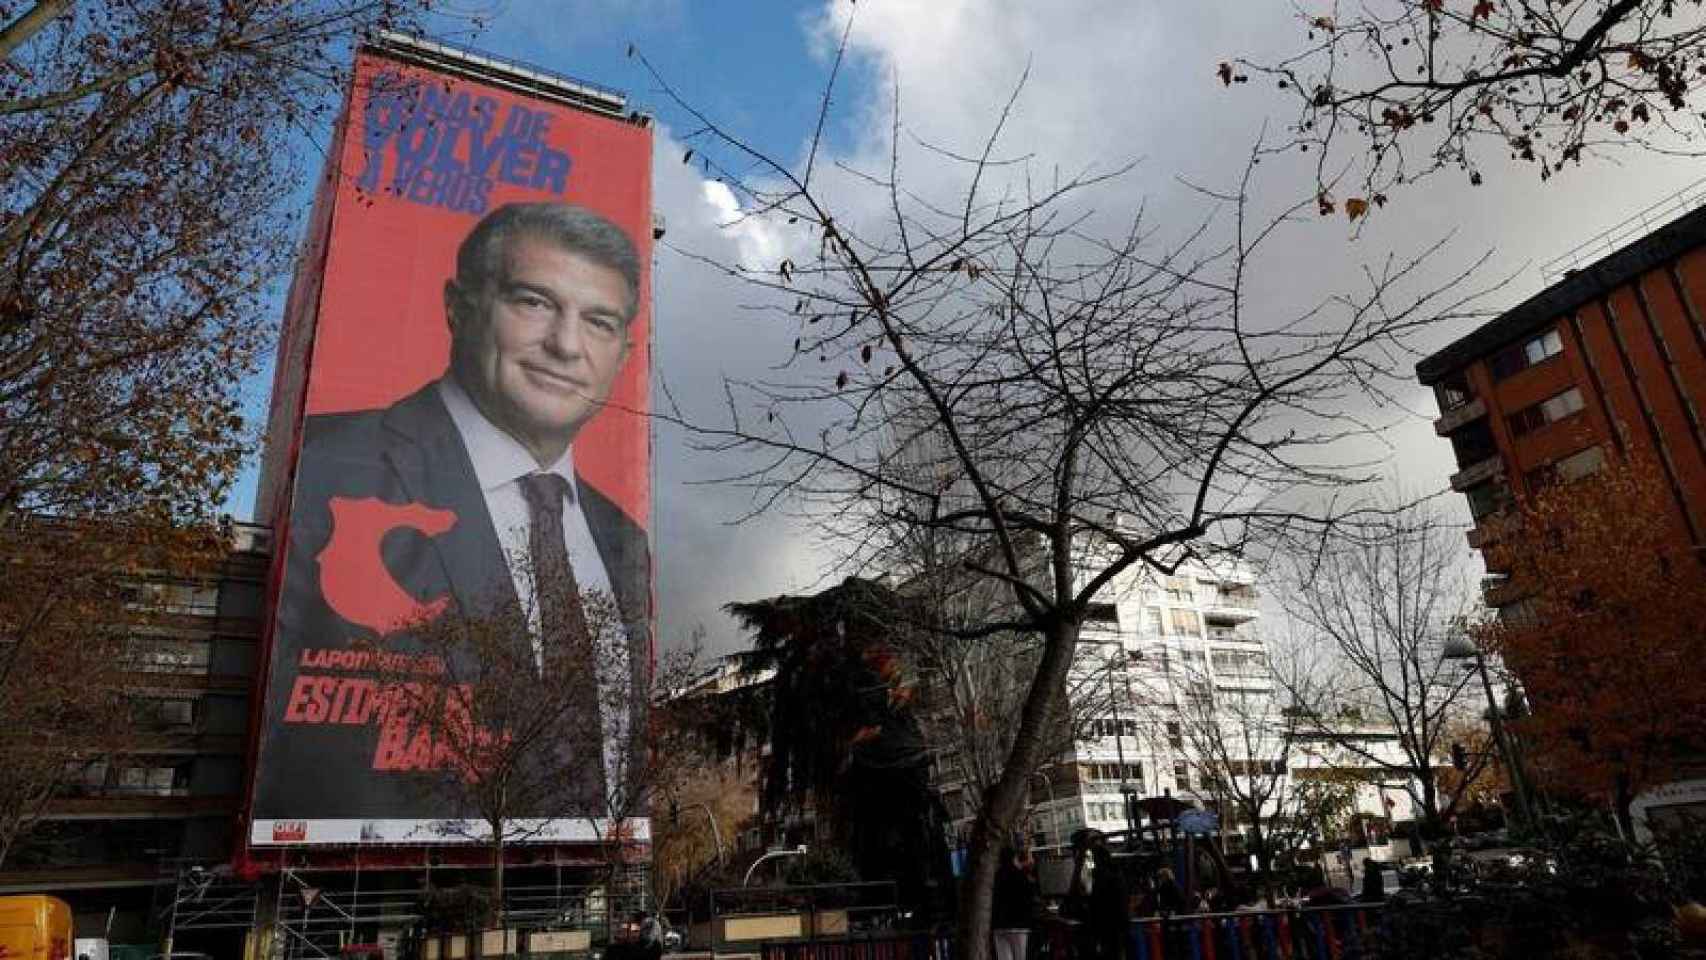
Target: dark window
(1582,463)
(1486,499)
(1473,443)
(1551,410)
(1101,613)
(1452,392)
(1519,357)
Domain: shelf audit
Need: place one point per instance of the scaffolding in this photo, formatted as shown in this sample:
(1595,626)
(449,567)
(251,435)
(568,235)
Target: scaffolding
(304,914)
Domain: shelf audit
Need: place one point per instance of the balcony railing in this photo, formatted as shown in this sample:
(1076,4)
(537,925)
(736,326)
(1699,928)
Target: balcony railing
(1484,469)
(1457,416)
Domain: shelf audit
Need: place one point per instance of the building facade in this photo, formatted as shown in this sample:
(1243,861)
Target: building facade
(122,827)
(1160,659)
(1607,362)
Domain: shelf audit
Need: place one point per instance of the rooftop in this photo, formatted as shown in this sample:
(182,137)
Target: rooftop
(1576,288)
(510,73)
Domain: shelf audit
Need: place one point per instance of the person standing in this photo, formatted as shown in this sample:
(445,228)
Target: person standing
(1015,906)
(1110,907)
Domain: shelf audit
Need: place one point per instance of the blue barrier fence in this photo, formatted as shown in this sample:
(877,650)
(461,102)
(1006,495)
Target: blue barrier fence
(1309,933)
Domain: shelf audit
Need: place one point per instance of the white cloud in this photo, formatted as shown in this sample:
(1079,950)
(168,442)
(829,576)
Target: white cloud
(1110,81)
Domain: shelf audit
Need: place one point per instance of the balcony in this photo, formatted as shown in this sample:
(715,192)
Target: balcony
(1452,420)
(1236,606)
(1477,472)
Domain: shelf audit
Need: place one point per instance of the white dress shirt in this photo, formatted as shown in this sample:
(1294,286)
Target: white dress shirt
(500,461)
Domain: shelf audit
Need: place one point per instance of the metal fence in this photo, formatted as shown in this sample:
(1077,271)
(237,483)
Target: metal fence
(1308,933)
(1311,933)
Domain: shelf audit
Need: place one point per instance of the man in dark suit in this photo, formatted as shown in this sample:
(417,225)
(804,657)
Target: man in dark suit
(464,493)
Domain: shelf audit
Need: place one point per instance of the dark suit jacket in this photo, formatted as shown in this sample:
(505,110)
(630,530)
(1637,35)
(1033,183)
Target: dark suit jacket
(408,453)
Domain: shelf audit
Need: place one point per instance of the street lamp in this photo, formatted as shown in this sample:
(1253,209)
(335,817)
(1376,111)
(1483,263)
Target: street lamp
(798,851)
(716,832)
(1462,648)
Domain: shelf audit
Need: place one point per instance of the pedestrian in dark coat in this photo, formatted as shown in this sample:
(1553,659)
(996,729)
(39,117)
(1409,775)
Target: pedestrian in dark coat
(1015,906)
(1110,907)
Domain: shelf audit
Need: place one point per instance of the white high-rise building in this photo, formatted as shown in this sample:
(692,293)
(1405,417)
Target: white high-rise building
(1153,666)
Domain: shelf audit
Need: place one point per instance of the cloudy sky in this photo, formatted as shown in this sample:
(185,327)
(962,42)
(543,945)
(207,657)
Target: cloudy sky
(1110,82)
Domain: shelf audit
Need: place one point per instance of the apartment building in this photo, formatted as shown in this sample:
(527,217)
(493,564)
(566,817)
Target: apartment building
(1153,661)
(115,838)
(1606,362)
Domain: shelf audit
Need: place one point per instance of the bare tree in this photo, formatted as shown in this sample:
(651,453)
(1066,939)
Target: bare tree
(1383,605)
(1241,741)
(972,687)
(527,725)
(1100,402)
(1405,88)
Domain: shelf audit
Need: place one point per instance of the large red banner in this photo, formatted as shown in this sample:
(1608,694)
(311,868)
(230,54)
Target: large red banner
(472,314)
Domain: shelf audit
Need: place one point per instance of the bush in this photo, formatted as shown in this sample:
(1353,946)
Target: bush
(1584,893)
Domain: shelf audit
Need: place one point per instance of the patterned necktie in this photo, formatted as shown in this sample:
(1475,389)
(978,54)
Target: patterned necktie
(566,641)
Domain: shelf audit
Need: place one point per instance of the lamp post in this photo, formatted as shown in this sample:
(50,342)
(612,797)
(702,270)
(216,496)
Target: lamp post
(716,832)
(798,851)
(1462,648)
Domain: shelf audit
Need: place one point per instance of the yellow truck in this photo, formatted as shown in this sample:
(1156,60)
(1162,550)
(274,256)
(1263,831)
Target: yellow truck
(35,928)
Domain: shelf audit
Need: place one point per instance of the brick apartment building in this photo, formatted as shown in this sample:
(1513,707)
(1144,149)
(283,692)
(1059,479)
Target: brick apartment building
(1608,361)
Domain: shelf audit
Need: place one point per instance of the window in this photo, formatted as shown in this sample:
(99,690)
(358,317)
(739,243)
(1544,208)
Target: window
(1185,623)
(82,776)
(1582,463)
(1517,358)
(157,654)
(171,712)
(1240,663)
(1486,499)
(1181,775)
(1113,728)
(1473,443)
(1152,619)
(191,598)
(1101,613)
(1256,768)
(1174,737)
(152,781)
(1452,392)
(1550,410)
(1519,613)
(1180,590)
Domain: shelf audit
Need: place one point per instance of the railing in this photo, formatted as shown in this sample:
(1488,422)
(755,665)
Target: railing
(914,946)
(1309,933)
(1642,223)
(1242,600)
(1351,932)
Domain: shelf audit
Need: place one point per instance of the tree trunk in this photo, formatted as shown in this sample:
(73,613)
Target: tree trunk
(1432,834)
(1264,860)
(1001,804)
(1621,798)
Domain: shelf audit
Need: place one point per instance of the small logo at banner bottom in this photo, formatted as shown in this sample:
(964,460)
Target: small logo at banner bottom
(289,831)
